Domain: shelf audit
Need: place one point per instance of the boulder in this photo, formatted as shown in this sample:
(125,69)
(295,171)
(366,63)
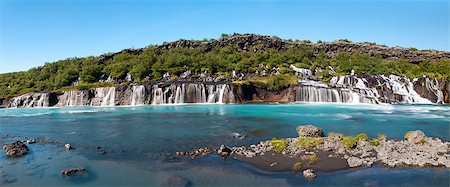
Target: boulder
(309,174)
(68,147)
(354,162)
(15,149)
(309,131)
(415,137)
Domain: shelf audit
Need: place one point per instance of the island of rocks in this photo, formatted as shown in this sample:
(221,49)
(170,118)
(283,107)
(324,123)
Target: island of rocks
(311,152)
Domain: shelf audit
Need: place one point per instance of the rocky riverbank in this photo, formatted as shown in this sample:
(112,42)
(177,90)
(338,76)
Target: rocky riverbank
(311,150)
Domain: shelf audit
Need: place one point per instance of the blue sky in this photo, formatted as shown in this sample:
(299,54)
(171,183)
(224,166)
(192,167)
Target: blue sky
(35,32)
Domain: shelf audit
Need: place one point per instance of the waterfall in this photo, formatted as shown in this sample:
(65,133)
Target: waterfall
(74,98)
(222,91)
(191,93)
(404,88)
(433,86)
(104,96)
(138,95)
(31,100)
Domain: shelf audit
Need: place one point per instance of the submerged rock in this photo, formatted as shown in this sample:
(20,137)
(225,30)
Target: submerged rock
(309,131)
(309,174)
(176,181)
(31,141)
(71,172)
(15,149)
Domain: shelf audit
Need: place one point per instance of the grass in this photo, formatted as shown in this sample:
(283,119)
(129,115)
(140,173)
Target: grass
(375,142)
(349,142)
(309,142)
(361,136)
(333,134)
(297,166)
(381,136)
(279,145)
(313,159)
(407,134)
(241,82)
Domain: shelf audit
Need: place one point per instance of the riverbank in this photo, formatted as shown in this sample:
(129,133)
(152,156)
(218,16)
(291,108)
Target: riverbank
(311,152)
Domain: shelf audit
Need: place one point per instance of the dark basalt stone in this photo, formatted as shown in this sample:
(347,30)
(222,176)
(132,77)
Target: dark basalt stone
(15,149)
(71,172)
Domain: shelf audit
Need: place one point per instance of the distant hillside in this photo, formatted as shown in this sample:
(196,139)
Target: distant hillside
(245,54)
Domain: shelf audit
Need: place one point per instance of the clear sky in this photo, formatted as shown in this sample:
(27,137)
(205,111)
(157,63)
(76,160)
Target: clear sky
(35,32)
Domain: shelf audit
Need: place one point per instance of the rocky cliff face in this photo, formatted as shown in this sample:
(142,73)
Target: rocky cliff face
(371,89)
(244,42)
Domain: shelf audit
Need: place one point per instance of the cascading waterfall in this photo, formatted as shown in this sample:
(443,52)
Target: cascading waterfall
(433,86)
(31,100)
(314,91)
(189,93)
(404,88)
(138,95)
(74,98)
(105,96)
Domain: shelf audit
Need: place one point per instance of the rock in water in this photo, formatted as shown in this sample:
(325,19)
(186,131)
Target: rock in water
(309,174)
(224,151)
(15,149)
(31,141)
(68,147)
(414,137)
(71,172)
(176,181)
(309,131)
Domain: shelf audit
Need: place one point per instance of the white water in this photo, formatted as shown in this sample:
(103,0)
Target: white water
(190,93)
(404,88)
(31,100)
(138,95)
(106,95)
(74,98)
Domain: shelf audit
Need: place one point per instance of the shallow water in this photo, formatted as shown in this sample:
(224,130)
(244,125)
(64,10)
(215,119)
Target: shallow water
(136,140)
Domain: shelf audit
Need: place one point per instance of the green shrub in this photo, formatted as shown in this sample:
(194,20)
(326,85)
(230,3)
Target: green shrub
(349,142)
(375,142)
(309,142)
(407,134)
(333,134)
(279,145)
(313,159)
(381,136)
(361,136)
(297,167)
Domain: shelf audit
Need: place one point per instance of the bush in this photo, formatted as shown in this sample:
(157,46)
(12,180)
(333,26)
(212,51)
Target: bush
(375,142)
(407,134)
(313,159)
(361,136)
(333,134)
(309,142)
(279,145)
(297,167)
(381,136)
(274,82)
(349,142)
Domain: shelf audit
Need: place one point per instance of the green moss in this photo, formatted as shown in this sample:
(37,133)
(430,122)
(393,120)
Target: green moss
(279,145)
(241,82)
(349,142)
(309,142)
(333,134)
(313,159)
(381,136)
(361,136)
(407,134)
(297,167)
(375,142)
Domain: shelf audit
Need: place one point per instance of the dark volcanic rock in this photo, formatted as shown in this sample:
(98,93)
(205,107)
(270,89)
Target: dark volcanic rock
(15,149)
(71,172)
(224,151)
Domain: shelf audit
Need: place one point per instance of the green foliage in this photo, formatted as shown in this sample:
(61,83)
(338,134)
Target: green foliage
(153,63)
(381,136)
(279,145)
(309,142)
(333,134)
(375,142)
(407,134)
(297,167)
(313,159)
(349,142)
(362,136)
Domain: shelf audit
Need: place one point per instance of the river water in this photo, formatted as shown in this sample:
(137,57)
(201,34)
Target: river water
(138,143)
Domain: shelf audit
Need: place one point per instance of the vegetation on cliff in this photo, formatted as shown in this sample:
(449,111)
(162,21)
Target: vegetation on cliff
(152,62)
